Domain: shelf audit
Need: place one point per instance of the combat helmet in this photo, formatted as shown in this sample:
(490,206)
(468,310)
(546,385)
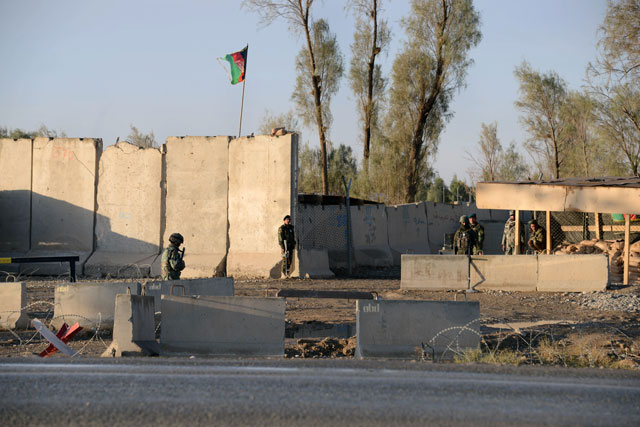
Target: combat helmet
(176,239)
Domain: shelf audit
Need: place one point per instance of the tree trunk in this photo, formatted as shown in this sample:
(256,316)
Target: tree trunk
(315,81)
(369,106)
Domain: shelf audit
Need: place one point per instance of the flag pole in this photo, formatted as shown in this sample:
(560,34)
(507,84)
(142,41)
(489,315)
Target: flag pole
(241,107)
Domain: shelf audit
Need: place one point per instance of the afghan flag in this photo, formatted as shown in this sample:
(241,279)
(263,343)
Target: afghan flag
(238,63)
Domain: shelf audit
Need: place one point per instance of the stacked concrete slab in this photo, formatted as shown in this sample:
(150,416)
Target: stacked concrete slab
(15,196)
(13,300)
(407,228)
(128,220)
(65,172)
(196,201)
(262,190)
(570,273)
(370,236)
(407,329)
(91,304)
(215,286)
(223,326)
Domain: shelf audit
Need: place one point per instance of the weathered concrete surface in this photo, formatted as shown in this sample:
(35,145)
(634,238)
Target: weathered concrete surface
(262,190)
(128,220)
(223,326)
(65,174)
(15,195)
(407,228)
(196,201)
(397,329)
(324,227)
(506,273)
(370,237)
(313,263)
(572,273)
(13,298)
(434,272)
(133,327)
(441,218)
(215,287)
(91,304)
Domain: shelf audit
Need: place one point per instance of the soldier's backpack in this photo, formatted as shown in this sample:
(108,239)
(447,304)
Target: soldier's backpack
(464,239)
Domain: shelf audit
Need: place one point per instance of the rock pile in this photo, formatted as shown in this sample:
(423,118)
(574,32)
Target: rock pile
(615,250)
(607,301)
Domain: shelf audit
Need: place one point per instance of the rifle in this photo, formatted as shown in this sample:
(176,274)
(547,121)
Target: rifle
(285,259)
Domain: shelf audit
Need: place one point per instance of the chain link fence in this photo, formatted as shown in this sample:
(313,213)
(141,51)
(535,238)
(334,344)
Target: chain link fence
(324,227)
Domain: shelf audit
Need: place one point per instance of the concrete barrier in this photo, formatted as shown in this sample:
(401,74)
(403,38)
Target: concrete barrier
(65,172)
(525,273)
(407,228)
(370,236)
(15,196)
(91,304)
(223,326)
(441,218)
(215,287)
(128,228)
(324,227)
(13,298)
(196,201)
(262,190)
(504,272)
(403,329)
(313,263)
(572,273)
(133,327)
(434,272)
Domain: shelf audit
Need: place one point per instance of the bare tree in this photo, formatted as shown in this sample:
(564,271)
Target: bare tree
(144,140)
(297,13)
(371,37)
(489,153)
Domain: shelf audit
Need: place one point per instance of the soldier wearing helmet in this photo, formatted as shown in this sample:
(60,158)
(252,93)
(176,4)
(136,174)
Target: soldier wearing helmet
(172,258)
(509,235)
(465,238)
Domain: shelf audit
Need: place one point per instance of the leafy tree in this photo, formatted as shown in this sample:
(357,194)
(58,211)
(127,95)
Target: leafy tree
(144,140)
(541,99)
(438,191)
(341,163)
(371,37)
(270,121)
(578,115)
(319,75)
(512,165)
(309,172)
(459,190)
(620,42)
(426,73)
(489,154)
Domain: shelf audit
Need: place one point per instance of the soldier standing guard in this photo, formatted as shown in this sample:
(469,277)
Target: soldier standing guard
(465,238)
(172,258)
(287,241)
(479,230)
(509,235)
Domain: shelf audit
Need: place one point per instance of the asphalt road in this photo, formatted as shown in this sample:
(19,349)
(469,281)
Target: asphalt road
(354,393)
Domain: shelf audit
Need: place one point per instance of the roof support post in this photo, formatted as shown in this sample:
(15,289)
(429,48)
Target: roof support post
(598,226)
(548,238)
(516,238)
(627,232)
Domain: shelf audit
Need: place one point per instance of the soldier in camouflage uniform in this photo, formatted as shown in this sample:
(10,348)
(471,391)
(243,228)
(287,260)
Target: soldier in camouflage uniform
(508,236)
(479,230)
(172,262)
(465,238)
(537,238)
(287,242)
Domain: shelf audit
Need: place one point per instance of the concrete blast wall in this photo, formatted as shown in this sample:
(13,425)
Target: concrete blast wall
(15,195)
(13,300)
(407,227)
(442,218)
(569,273)
(128,220)
(370,237)
(64,183)
(262,190)
(196,201)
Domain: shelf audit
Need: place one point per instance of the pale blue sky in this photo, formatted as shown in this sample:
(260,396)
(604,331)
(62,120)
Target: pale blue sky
(92,68)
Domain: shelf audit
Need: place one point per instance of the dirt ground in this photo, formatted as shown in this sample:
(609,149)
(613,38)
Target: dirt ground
(524,324)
